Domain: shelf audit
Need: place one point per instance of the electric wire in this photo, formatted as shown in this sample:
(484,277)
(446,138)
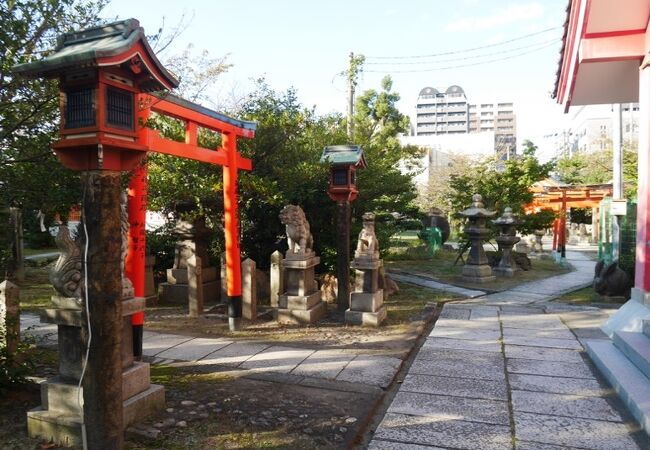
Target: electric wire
(464,58)
(477,63)
(84,438)
(453,52)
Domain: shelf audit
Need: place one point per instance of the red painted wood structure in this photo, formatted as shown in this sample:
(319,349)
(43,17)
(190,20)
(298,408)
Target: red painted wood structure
(560,198)
(111,83)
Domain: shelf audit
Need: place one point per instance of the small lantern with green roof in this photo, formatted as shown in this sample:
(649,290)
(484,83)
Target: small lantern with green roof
(344,161)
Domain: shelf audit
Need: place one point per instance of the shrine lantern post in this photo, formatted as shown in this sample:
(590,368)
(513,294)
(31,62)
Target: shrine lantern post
(344,161)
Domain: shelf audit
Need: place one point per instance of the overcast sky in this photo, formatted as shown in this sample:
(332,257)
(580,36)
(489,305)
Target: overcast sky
(305,45)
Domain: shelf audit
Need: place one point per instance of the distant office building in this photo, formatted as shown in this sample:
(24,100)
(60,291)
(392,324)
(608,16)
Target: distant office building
(441,112)
(449,113)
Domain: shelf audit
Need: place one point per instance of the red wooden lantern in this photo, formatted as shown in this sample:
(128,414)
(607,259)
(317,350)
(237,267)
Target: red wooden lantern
(344,160)
(101,71)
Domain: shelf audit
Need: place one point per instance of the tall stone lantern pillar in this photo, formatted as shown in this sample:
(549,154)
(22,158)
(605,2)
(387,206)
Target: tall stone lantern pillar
(477,269)
(506,239)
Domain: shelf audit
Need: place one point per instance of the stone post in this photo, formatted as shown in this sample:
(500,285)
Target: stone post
(17,250)
(249,289)
(224,279)
(195,286)
(9,316)
(102,384)
(277,285)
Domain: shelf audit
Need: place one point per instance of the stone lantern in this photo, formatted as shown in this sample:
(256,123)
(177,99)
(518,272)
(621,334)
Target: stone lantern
(507,239)
(477,269)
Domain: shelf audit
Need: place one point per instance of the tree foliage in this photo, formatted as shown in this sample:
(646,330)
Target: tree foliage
(503,184)
(597,168)
(29,171)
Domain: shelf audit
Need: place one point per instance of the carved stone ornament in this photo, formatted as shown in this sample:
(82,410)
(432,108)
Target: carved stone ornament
(65,276)
(367,244)
(299,237)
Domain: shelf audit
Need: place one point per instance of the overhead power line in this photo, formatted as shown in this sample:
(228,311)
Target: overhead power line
(463,58)
(466,50)
(477,63)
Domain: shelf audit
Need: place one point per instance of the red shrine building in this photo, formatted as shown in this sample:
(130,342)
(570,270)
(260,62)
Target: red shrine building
(605,59)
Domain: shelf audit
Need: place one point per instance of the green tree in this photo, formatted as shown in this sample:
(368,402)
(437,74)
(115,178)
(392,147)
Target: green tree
(29,171)
(503,184)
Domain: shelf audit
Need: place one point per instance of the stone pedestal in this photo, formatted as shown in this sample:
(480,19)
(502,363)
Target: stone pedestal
(9,316)
(367,301)
(192,242)
(150,294)
(301,302)
(58,419)
(507,266)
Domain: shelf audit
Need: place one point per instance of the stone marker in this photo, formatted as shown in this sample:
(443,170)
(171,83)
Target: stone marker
(17,246)
(249,289)
(477,269)
(301,301)
(195,286)
(223,276)
(9,316)
(150,294)
(277,285)
(367,300)
(192,241)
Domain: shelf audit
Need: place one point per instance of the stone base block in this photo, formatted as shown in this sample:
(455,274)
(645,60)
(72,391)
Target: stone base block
(367,302)
(151,300)
(366,319)
(143,405)
(507,272)
(477,273)
(178,293)
(302,302)
(135,379)
(302,317)
(55,426)
(179,276)
(64,428)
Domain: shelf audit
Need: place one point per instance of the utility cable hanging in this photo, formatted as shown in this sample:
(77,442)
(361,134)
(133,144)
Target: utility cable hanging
(478,63)
(453,52)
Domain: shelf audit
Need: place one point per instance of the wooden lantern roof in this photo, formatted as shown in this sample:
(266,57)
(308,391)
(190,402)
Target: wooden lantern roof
(115,44)
(344,155)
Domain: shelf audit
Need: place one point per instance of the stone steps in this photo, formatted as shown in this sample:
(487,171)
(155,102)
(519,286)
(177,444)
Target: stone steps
(646,327)
(636,347)
(631,385)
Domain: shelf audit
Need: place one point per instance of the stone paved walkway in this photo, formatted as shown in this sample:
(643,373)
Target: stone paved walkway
(504,371)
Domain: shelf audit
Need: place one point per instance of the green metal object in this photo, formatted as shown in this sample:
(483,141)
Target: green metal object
(433,238)
(627,254)
(345,155)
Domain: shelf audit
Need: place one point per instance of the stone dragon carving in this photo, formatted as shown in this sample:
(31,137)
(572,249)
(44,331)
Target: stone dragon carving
(299,237)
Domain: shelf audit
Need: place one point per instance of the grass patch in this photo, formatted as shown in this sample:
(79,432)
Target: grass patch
(178,379)
(441,268)
(588,296)
(36,290)
(407,305)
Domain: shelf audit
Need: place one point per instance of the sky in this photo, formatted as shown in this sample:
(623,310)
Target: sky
(305,44)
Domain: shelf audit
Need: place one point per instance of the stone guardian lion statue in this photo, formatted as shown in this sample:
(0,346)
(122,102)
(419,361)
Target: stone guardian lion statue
(299,237)
(367,243)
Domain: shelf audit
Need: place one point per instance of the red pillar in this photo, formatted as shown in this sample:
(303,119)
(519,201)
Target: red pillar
(231,229)
(642,268)
(135,260)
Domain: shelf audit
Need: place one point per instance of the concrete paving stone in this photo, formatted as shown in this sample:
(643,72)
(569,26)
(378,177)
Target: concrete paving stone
(543,354)
(420,281)
(465,333)
(523,332)
(194,349)
(162,342)
(458,363)
(564,405)
(378,444)
(558,385)
(484,314)
(507,310)
(469,324)
(443,407)
(549,368)
(457,387)
(234,354)
(568,344)
(532,322)
(276,359)
(147,335)
(371,369)
(524,445)
(477,345)
(323,364)
(573,432)
(515,296)
(451,312)
(445,433)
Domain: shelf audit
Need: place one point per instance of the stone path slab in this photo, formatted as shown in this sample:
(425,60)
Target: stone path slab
(426,282)
(456,387)
(567,344)
(323,364)
(370,369)
(563,405)
(478,345)
(234,354)
(194,349)
(549,368)
(543,354)
(276,359)
(558,385)
(445,362)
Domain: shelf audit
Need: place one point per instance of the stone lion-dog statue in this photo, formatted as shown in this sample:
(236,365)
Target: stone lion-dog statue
(299,237)
(367,243)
